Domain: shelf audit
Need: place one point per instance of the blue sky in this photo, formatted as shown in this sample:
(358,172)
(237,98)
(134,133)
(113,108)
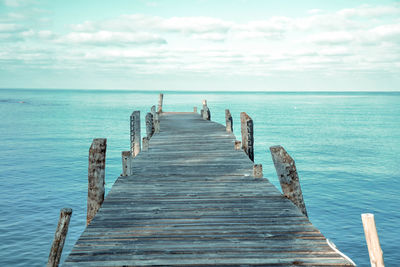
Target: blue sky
(200,45)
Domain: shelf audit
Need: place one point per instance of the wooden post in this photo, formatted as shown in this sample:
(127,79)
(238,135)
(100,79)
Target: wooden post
(247,134)
(145,144)
(149,125)
(371,236)
(194,109)
(257,171)
(238,145)
(202,113)
(228,121)
(160,103)
(288,177)
(126,163)
(206,114)
(96,175)
(59,237)
(135,133)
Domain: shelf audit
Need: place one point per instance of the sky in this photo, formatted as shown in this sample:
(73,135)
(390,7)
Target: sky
(201,45)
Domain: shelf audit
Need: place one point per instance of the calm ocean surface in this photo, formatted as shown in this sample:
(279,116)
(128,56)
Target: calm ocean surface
(346,147)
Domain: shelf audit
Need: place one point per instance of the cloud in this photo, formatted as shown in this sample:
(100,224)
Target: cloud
(331,38)
(112,38)
(11,28)
(370,11)
(18,3)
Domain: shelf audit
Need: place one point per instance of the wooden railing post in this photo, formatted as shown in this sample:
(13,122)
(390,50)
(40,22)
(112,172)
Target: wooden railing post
(371,236)
(288,177)
(160,103)
(96,177)
(206,114)
(135,133)
(194,109)
(126,163)
(228,121)
(238,145)
(145,143)
(247,134)
(257,171)
(149,125)
(59,237)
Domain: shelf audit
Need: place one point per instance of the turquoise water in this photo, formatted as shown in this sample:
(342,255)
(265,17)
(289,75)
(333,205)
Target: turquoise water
(346,147)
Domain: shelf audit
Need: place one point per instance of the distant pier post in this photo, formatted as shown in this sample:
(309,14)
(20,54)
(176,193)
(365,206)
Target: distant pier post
(238,145)
(135,133)
(126,163)
(206,114)
(59,237)
(288,177)
(371,236)
(228,121)
(149,125)
(160,103)
(247,134)
(96,177)
(194,109)
(257,171)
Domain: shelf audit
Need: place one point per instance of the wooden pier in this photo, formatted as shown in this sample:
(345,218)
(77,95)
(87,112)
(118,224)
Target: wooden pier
(191,199)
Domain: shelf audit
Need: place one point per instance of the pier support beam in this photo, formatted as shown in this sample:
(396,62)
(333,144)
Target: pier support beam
(96,177)
(126,163)
(371,236)
(160,103)
(149,125)
(228,121)
(247,134)
(288,177)
(59,237)
(135,133)
(257,171)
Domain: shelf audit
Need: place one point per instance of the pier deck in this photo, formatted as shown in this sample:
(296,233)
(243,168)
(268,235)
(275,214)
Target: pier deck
(193,200)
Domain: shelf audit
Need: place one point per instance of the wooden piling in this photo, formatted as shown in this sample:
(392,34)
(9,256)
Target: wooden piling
(288,177)
(205,114)
(228,121)
(247,134)
(371,236)
(149,125)
(194,109)
(59,237)
(238,145)
(135,133)
(257,171)
(145,143)
(96,177)
(160,103)
(126,163)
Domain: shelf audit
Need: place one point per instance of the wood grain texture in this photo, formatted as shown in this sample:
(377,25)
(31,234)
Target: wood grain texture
(192,200)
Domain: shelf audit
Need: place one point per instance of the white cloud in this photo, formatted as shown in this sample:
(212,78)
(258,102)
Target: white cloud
(11,27)
(331,38)
(18,3)
(370,11)
(112,38)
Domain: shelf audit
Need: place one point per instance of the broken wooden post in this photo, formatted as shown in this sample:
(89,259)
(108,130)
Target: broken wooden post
(288,177)
(96,177)
(126,163)
(371,236)
(145,143)
(59,237)
(160,103)
(257,171)
(246,124)
(194,109)
(228,121)
(206,114)
(238,145)
(149,125)
(135,133)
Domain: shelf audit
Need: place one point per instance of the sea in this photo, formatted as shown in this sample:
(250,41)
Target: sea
(346,146)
